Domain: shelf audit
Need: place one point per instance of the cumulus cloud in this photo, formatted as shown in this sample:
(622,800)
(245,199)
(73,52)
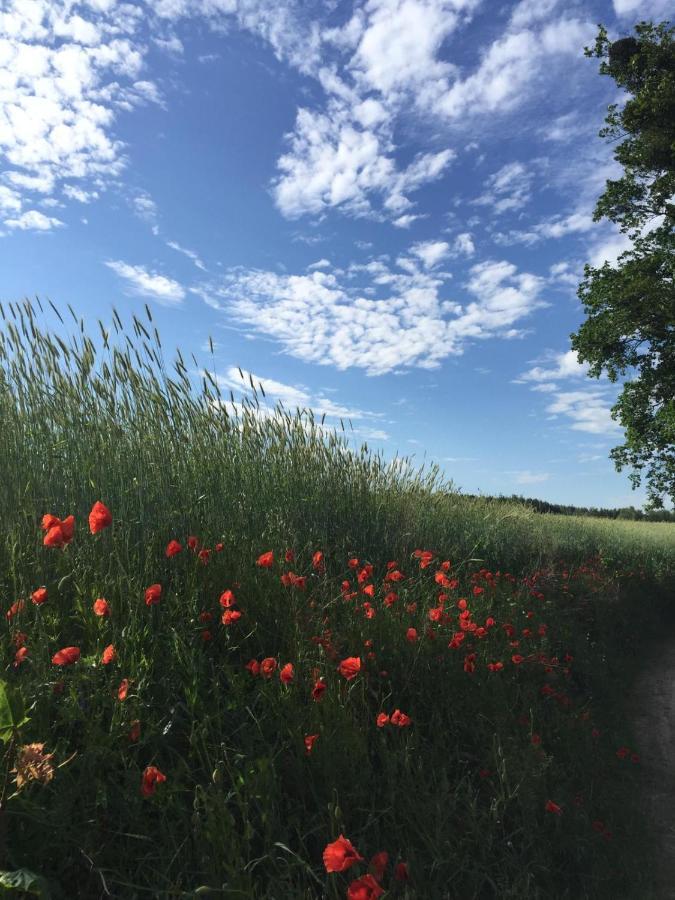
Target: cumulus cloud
(562,365)
(391,321)
(32,220)
(139,280)
(508,189)
(430,252)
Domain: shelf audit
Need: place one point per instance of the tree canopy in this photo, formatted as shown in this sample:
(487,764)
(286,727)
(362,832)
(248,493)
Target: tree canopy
(629,332)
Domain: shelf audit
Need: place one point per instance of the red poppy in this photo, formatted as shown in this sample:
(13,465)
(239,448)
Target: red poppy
(349,668)
(401,872)
(268,667)
(204,556)
(39,596)
(172,548)
(516,659)
(319,690)
(205,617)
(20,656)
(400,719)
(59,533)
(382,720)
(230,616)
(310,740)
(227,599)
(109,655)
(317,562)
(152,594)
(100,517)
(135,731)
(206,635)
(364,888)
(123,689)
(340,855)
(192,543)
(101,607)
(66,657)
(14,609)
(553,808)
(378,864)
(289,556)
(151,778)
(253,666)
(266,560)
(220,547)
(353,563)
(287,673)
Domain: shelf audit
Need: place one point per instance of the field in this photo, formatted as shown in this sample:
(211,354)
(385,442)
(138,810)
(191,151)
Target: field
(299,643)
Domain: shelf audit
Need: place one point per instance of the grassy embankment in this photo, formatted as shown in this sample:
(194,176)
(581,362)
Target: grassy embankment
(460,795)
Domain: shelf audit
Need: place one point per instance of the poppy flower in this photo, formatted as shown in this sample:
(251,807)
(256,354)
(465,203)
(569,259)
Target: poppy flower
(401,872)
(192,543)
(349,668)
(253,666)
(378,864)
(340,855)
(553,808)
(204,556)
(205,617)
(317,562)
(172,548)
(287,673)
(100,517)
(109,655)
(310,740)
(227,599)
(39,596)
(66,657)
(152,594)
(364,888)
(266,560)
(59,533)
(206,635)
(151,778)
(400,719)
(135,731)
(382,720)
(289,556)
(101,607)
(123,689)
(268,667)
(219,547)
(230,616)
(14,610)
(20,656)
(319,690)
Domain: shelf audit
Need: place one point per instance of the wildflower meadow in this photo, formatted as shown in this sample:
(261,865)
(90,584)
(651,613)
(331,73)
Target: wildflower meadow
(243,658)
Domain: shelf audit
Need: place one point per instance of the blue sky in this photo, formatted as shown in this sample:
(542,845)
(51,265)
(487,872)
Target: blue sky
(380,209)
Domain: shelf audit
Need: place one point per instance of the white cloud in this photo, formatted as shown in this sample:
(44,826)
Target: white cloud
(609,250)
(191,255)
(319,264)
(508,189)
(62,74)
(645,9)
(430,252)
(395,320)
(165,291)
(527,477)
(32,220)
(75,193)
(588,410)
(563,365)
(464,244)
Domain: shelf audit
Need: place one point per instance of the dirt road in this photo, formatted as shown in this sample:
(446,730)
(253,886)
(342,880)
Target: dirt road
(652,706)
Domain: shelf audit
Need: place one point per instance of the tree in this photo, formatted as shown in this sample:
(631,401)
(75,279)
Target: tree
(629,331)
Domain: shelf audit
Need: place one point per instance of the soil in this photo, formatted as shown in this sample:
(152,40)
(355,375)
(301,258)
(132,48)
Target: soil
(652,706)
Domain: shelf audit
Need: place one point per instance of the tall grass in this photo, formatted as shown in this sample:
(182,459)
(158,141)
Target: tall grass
(244,812)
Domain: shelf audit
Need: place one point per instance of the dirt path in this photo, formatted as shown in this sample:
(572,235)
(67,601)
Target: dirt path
(652,704)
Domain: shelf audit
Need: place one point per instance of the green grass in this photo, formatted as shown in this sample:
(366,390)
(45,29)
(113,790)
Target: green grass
(244,811)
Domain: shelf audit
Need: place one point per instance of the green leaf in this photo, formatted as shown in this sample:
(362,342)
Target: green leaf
(25,881)
(12,713)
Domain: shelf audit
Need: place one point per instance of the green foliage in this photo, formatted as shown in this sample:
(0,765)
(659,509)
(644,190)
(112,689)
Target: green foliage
(630,327)
(24,882)
(12,715)
(244,811)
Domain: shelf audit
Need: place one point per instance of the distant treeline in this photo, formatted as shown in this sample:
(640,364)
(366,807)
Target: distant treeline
(625,512)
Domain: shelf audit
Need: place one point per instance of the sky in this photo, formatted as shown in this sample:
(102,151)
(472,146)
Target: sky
(380,209)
